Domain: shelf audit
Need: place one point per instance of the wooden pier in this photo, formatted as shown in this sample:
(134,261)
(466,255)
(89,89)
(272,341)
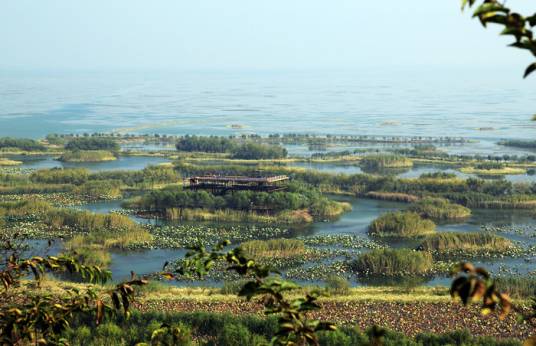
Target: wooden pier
(218,183)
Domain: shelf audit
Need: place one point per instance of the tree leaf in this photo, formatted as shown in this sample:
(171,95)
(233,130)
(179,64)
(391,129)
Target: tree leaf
(531,68)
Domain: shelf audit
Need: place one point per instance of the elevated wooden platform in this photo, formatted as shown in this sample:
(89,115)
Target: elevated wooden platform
(219,183)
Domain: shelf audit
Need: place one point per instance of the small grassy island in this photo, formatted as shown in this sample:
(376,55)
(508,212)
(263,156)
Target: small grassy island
(475,244)
(401,225)
(491,168)
(298,204)
(440,209)
(386,161)
(8,162)
(393,263)
(87,156)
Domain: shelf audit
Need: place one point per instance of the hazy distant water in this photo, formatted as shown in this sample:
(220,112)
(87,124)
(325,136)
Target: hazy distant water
(429,102)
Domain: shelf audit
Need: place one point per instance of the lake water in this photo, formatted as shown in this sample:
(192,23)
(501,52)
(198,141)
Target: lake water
(423,102)
(355,222)
(413,172)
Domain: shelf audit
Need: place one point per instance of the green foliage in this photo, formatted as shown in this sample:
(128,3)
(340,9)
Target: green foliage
(179,335)
(42,319)
(87,156)
(385,161)
(211,144)
(107,230)
(99,189)
(235,334)
(439,209)
(393,263)
(247,150)
(337,285)
(515,24)
(489,165)
(74,176)
(55,139)
(80,248)
(480,243)
(257,151)
(92,143)
(21,143)
(294,326)
(401,224)
(522,287)
(273,248)
(462,337)
(164,201)
(519,143)
(149,176)
(438,175)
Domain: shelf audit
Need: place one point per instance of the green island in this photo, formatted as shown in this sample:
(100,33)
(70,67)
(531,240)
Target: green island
(401,224)
(87,156)
(439,209)
(492,169)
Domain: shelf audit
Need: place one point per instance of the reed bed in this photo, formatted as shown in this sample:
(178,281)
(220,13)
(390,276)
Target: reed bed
(440,209)
(274,248)
(393,263)
(401,224)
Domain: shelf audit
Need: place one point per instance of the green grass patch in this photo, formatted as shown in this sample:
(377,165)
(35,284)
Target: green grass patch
(87,156)
(440,209)
(519,287)
(393,263)
(484,169)
(386,161)
(467,243)
(274,248)
(401,225)
(8,162)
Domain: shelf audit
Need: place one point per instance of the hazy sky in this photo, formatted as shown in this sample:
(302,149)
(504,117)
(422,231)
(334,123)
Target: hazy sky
(247,34)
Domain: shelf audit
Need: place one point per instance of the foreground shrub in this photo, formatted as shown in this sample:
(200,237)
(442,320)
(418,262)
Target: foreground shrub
(440,209)
(401,224)
(393,262)
(238,334)
(249,330)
